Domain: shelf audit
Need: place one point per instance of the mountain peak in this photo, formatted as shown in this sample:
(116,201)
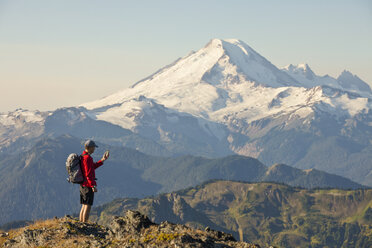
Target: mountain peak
(216,42)
(227,45)
(240,63)
(346,81)
(350,81)
(221,41)
(220,63)
(233,41)
(302,68)
(346,73)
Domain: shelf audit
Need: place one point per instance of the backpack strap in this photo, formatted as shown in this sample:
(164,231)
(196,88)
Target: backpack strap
(82,155)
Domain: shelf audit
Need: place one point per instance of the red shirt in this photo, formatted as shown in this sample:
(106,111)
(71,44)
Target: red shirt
(88,168)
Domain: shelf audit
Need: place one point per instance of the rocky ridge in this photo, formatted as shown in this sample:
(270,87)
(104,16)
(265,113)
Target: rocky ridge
(132,230)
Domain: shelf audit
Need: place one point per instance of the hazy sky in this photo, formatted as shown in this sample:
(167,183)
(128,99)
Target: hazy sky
(63,53)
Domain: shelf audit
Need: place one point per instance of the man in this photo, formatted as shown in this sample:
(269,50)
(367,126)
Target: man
(89,186)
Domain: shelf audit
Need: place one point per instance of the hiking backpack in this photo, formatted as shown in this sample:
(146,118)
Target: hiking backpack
(75,175)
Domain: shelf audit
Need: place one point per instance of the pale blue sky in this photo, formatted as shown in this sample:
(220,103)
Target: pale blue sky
(63,53)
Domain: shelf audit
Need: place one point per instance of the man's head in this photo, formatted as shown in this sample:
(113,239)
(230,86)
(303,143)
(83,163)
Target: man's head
(90,146)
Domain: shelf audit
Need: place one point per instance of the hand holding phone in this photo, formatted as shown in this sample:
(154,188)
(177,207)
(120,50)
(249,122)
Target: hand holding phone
(106,155)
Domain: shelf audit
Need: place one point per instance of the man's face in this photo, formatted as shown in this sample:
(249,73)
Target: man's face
(91,149)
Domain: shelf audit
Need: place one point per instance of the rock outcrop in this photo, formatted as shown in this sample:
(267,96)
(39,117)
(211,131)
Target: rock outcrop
(132,230)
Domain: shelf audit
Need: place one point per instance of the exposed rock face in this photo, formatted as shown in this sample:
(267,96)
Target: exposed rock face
(132,223)
(132,230)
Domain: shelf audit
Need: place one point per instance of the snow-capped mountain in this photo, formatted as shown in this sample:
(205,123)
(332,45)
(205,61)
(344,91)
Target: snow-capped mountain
(346,81)
(19,127)
(202,79)
(226,98)
(227,81)
(254,102)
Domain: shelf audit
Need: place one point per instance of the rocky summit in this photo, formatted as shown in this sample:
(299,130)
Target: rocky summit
(132,230)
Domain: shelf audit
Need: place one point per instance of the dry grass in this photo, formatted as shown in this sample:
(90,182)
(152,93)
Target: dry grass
(2,241)
(39,224)
(12,234)
(51,225)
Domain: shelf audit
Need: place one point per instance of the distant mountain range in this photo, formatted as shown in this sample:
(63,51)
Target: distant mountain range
(263,213)
(33,183)
(221,100)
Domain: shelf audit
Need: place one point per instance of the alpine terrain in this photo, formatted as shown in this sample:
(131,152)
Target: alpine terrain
(262,213)
(223,99)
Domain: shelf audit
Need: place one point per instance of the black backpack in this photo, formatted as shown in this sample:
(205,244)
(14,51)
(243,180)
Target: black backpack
(75,175)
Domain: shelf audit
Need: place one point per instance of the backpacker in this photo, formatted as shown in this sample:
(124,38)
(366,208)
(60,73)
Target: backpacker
(73,168)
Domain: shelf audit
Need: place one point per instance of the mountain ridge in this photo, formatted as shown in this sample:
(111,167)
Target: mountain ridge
(40,176)
(134,229)
(263,213)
